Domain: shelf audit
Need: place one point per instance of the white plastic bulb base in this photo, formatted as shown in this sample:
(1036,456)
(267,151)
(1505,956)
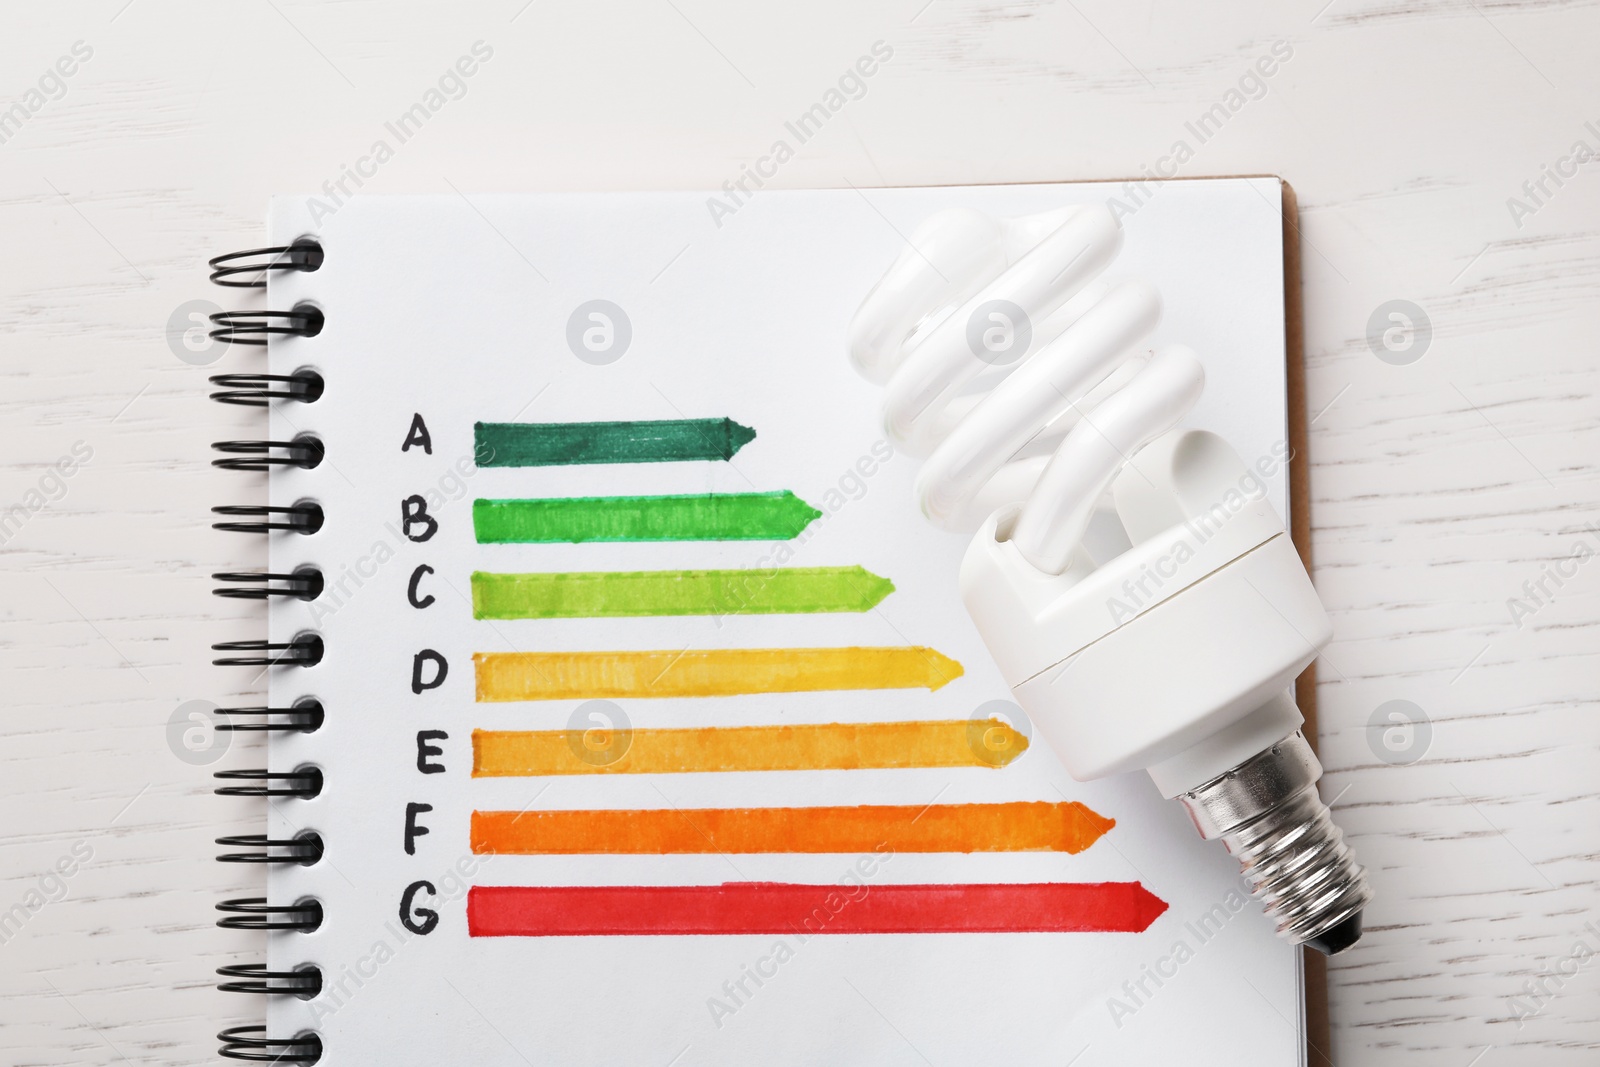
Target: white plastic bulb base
(1176,657)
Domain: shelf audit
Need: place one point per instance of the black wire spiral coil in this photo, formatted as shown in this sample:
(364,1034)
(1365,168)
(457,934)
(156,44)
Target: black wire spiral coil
(302,850)
(252,1043)
(304,783)
(304,716)
(255,327)
(304,518)
(250,270)
(306,650)
(225,269)
(306,982)
(254,913)
(256,390)
(305,452)
(304,584)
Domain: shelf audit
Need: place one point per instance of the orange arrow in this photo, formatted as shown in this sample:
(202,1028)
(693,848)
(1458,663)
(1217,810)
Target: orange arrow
(1024,826)
(822,746)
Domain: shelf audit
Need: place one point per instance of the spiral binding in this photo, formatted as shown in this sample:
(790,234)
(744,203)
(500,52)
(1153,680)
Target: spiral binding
(304,651)
(255,327)
(254,913)
(249,270)
(304,717)
(304,783)
(302,850)
(257,979)
(252,1043)
(304,584)
(255,390)
(302,255)
(305,452)
(305,518)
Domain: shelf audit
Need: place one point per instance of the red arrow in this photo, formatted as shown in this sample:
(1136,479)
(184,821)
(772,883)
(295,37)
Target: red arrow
(804,910)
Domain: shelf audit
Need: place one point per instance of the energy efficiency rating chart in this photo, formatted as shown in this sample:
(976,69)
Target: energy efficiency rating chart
(517,590)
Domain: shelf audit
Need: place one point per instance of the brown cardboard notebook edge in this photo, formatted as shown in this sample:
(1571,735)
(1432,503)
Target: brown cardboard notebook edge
(1318,1034)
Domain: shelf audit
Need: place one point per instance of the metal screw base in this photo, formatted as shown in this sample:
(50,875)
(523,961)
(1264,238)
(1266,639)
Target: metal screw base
(1268,815)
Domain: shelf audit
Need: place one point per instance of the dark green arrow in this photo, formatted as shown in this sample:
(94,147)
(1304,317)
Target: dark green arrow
(561,444)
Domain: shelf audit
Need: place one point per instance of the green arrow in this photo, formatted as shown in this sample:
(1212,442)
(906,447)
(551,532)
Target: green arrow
(614,594)
(695,517)
(559,444)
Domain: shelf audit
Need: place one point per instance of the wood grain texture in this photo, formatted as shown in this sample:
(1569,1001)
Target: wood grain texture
(1439,488)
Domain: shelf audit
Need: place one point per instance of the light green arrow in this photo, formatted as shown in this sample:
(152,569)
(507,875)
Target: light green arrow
(612,594)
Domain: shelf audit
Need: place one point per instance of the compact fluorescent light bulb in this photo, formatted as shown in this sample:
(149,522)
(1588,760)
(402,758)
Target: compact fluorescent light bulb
(1018,374)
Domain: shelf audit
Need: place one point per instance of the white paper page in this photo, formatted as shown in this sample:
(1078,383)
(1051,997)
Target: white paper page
(458,311)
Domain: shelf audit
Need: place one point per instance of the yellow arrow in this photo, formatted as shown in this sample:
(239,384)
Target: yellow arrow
(832,746)
(706,672)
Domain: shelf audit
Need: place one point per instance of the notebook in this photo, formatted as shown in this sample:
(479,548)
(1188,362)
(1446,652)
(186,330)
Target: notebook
(649,725)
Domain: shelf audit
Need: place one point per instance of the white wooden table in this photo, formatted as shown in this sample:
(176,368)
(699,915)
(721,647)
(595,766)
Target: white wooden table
(1455,480)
